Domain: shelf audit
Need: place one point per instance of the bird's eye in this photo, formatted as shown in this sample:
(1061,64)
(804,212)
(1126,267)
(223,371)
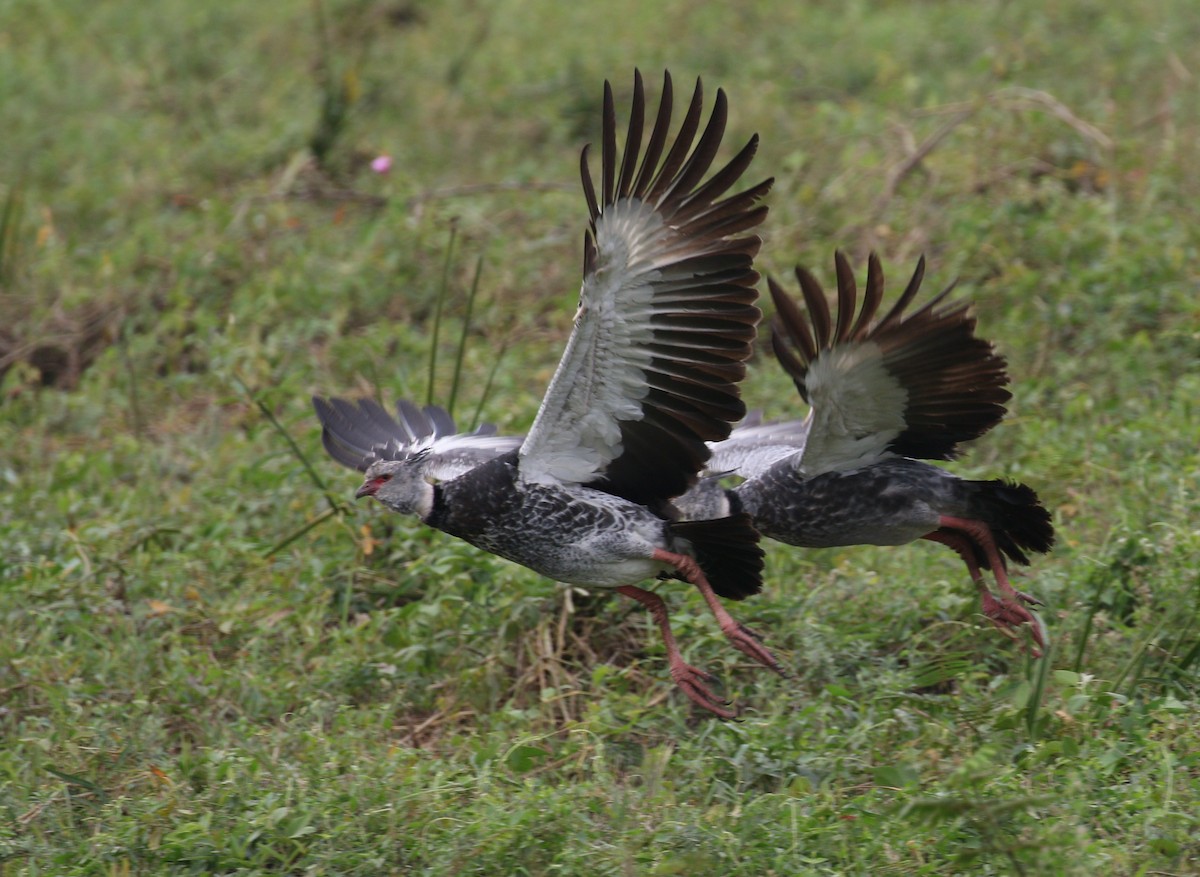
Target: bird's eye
(387,476)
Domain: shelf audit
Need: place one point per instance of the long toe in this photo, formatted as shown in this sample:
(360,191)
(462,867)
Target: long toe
(691,681)
(1008,615)
(1027,599)
(748,631)
(750,643)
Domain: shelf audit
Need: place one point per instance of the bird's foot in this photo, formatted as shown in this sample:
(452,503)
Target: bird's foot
(749,642)
(692,681)
(1007,614)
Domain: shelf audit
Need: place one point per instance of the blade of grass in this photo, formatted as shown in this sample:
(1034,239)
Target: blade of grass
(1034,706)
(135,403)
(462,338)
(1088,623)
(82,782)
(335,103)
(1137,660)
(439,303)
(487,387)
(334,505)
(10,220)
(1186,646)
(300,531)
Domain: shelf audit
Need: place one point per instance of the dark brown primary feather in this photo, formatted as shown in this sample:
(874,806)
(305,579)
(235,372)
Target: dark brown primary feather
(705,318)
(956,382)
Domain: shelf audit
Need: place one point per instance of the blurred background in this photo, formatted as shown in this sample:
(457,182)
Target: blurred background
(214,662)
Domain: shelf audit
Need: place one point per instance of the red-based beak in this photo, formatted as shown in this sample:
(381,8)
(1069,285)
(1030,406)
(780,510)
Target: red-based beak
(368,489)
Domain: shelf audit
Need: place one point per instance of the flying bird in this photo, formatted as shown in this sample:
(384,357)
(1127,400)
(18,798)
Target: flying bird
(885,393)
(665,322)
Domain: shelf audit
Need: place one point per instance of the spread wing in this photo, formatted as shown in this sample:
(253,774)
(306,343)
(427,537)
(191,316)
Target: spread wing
(357,433)
(913,385)
(666,313)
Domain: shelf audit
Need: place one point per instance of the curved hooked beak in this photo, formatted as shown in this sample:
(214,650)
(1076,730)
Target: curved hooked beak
(368,489)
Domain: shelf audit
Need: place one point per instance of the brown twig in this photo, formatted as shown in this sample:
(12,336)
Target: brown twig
(897,172)
(1021,98)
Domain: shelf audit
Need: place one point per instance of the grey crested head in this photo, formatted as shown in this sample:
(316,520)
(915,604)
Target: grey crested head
(401,485)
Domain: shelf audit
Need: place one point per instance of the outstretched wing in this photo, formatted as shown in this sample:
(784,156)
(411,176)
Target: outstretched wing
(358,433)
(913,385)
(666,313)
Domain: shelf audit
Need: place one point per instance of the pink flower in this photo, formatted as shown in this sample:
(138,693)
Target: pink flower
(381,164)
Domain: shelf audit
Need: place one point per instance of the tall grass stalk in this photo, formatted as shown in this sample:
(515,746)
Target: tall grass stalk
(464,336)
(438,304)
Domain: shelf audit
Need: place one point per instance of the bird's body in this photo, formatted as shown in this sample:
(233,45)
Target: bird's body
(581,536)
(892,502)
(885,392)
(665,323)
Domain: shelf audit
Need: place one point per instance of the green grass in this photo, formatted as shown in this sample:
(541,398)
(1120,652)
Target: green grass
(212,662)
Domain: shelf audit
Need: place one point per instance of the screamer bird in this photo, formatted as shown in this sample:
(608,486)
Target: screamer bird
(885,393)
(665,323)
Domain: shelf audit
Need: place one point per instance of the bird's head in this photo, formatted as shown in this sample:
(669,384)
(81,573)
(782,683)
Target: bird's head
(401,485)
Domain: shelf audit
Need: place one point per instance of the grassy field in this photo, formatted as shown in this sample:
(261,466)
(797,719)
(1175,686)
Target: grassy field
(213,662)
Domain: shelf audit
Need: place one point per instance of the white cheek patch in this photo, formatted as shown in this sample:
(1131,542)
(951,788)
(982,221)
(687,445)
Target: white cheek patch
(423,506)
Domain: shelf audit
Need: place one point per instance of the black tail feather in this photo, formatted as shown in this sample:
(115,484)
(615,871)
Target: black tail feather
(1017,518)
(727,550)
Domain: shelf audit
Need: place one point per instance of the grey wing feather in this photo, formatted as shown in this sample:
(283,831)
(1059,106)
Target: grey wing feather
(357,433)
(754,446)
(666,318)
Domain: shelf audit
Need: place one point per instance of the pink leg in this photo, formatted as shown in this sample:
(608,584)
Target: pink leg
(992,608)
(965,550)
(1008,611)
(687,677)
(743,638)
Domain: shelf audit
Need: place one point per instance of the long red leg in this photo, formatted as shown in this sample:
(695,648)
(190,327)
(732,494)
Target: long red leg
(966,550)
(1008,611)
(690,679)
(743,638)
